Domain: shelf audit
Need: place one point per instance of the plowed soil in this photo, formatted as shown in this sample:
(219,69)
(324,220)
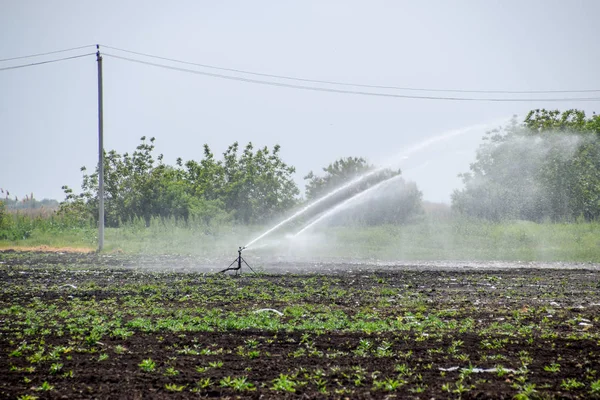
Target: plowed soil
(91,326)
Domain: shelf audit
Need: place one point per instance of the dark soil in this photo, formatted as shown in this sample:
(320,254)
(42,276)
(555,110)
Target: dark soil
(540,325)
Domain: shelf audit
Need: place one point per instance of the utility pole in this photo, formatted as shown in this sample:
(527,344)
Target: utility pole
(100,155)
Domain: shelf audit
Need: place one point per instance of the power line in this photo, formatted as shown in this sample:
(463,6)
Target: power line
(355,92)
(45,54)
(45,62)
(352,84)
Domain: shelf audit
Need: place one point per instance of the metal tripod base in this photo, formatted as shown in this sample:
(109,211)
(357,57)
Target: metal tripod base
(238,267)
(239,260)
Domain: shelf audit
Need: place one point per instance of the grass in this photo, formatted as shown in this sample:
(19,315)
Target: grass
(463,239)
(434,237)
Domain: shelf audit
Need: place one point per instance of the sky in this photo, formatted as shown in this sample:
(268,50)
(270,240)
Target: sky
(48,113)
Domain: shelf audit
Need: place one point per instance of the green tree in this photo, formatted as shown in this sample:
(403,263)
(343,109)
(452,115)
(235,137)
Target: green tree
(3,216)
(257,185)
(548,167)
(251,187)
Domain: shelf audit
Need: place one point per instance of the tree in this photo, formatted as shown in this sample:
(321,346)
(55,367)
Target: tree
(337,173)
(548,167)
(257,186)
(393,202)
(251,187)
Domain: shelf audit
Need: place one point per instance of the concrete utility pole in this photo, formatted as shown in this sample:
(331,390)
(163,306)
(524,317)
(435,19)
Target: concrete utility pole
(100,155)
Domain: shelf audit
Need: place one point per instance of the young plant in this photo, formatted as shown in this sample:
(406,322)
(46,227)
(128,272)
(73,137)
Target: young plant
(55,368)
(595,388)
(204,383)
(526,392)
(241,384)
(402,370)
(554,368)
(388,384)
(171,371)
(571,384)
(172,387)
(147,365)
(284,383)
(45,387)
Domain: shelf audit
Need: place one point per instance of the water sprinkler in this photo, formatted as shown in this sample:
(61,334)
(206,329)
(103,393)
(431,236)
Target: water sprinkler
(239,260)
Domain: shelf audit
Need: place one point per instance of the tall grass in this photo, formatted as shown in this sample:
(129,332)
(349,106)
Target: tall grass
(438,235)
(35,227)
(466,239)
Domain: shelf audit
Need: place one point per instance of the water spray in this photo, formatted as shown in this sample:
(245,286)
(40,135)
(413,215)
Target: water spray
(403,156)
(344,203)
(239,260)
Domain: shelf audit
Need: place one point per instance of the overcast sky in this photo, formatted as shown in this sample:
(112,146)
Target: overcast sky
(48,113)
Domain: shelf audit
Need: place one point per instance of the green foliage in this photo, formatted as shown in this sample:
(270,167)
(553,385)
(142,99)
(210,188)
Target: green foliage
(148,365)
(24,224)
(571,384)
(284,383)
(546,168)
(3,216)
(595,388)
(395,201)
(249,187)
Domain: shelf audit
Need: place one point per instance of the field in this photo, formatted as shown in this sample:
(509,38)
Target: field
(119,326)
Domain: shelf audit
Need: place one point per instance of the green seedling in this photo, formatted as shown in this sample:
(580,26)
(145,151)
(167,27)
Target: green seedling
(148,365)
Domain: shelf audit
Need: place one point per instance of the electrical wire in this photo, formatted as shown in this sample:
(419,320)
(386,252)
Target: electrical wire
(50,52)
(355,92)
(303,87)
(351,84)
(46,62)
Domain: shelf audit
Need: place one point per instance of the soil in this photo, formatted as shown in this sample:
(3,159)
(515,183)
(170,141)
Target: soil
(47,249)
(559,306)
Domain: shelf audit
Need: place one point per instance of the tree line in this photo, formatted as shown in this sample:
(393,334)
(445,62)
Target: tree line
(545,168)
(246,186)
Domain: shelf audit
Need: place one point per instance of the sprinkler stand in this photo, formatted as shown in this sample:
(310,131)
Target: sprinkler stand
(239,260)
